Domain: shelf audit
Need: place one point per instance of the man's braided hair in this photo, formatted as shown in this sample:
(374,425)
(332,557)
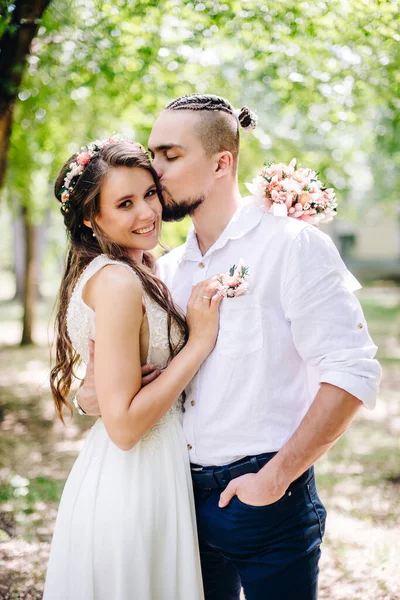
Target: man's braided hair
(217,131)
(209,102)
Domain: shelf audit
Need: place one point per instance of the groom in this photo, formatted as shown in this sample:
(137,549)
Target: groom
(292,365)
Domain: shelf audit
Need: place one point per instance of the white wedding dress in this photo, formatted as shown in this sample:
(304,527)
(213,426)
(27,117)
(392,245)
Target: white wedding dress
(126,525)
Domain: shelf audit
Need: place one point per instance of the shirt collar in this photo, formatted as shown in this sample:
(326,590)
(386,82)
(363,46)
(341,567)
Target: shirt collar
(246,218)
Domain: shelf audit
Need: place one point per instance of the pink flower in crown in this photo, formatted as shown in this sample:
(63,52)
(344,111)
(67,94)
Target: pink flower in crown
(83,159)
(75,170)
(77,167)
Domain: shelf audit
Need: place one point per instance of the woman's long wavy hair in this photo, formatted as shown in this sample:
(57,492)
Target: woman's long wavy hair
(84,247)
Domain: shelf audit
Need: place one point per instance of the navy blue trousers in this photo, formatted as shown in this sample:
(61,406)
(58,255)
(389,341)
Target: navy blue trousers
(272,551)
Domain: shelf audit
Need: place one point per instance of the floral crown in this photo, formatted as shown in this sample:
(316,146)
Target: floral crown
(77,166)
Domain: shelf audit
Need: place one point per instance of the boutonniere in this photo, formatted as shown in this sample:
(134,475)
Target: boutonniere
(234,282)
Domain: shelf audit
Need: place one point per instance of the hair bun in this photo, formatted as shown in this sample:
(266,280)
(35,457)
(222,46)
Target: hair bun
(247,119)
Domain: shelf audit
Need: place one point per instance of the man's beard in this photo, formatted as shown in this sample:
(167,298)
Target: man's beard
(174,211)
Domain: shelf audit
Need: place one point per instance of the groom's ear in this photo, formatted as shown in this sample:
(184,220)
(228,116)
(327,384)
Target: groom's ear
(223,163)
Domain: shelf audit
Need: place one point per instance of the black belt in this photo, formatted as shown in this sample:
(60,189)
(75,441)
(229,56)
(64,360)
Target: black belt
(211,478)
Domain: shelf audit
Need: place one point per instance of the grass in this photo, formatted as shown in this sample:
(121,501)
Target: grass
(358,481)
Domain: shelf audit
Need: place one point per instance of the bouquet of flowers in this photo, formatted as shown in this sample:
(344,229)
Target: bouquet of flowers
(234,282)
(286,190)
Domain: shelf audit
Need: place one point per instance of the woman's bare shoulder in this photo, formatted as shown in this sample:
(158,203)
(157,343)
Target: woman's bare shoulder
(114,283)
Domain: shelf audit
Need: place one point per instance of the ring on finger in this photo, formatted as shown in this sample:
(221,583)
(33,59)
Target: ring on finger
(207,297)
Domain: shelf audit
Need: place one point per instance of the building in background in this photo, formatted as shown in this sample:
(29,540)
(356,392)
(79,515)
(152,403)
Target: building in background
(371,249)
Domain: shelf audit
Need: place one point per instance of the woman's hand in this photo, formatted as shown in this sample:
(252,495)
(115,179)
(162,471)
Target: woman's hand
(203,314)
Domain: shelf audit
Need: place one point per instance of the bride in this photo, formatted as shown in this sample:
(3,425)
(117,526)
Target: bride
(126,523)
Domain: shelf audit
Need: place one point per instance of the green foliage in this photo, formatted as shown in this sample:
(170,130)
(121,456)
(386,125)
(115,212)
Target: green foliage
(174,234)
(6,9)
(323,77)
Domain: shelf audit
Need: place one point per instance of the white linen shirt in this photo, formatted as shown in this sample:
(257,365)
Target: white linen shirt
(299,325)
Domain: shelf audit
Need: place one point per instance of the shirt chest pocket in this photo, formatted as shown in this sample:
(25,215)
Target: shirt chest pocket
(240,330)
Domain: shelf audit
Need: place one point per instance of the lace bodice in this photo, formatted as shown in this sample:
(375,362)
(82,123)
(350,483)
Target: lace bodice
(81,322)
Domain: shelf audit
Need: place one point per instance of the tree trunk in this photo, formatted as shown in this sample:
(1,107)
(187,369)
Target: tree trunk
(14,48)
(19,252)
(19,257)
(6,116)
(30,280)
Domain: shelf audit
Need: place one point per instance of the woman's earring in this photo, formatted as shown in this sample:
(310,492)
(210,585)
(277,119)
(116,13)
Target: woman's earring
(93,234)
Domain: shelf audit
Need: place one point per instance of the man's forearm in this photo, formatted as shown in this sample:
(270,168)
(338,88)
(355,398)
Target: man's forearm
(330,414)
(86,398)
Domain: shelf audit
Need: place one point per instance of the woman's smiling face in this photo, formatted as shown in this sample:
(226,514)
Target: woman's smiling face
(130,209)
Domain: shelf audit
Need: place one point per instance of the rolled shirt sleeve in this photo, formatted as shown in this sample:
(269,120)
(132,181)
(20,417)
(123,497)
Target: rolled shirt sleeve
(327,322)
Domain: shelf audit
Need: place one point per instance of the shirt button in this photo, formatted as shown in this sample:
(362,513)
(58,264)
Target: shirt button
(360,325)
(189,446)
(193,402)
(201,265)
